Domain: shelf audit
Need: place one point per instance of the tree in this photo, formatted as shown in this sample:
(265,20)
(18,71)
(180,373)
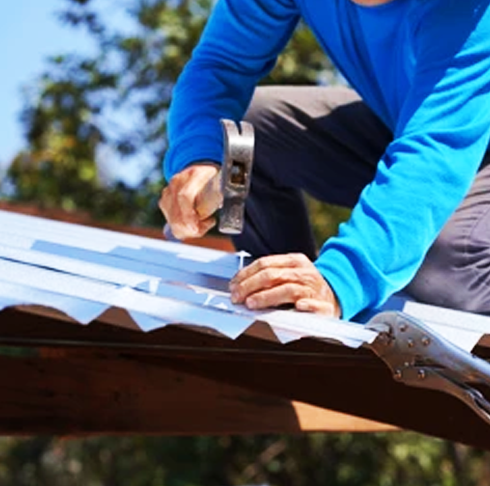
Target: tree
(395,459)
(76,112)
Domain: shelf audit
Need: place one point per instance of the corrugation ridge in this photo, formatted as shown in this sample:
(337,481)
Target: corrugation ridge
(34,226)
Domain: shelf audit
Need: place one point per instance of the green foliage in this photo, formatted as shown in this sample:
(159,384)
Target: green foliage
(73,111)
(394,459)
(325,218)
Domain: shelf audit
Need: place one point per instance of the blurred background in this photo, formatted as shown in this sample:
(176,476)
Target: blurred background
(84,92)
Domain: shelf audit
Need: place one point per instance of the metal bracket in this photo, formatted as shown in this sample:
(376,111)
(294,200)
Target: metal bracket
(420,357)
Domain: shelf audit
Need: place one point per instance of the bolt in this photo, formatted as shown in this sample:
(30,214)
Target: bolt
(403,327)
(398,375)
(425,341)
(385,340)
(421,375)
(410,343)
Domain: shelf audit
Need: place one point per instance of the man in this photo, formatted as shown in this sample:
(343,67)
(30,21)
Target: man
(409,158)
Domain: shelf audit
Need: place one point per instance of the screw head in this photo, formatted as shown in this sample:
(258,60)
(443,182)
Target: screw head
(421,375)
(410,343)
(403,327)
(425,341)
(398,375)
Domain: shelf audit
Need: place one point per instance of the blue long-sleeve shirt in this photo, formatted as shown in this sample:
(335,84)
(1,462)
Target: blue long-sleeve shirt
(423,66)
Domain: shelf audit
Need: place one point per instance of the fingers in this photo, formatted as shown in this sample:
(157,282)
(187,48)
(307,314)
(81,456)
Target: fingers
(178,201)
(282,294)
(204,226)
(290,260)
(269,278)
(284,279)
(317,306)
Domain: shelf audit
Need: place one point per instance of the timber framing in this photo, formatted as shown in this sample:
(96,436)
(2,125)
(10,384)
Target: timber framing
(104,379)
(66,379)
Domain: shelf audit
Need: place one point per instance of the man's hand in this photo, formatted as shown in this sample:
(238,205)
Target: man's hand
(284,279)
(178,201)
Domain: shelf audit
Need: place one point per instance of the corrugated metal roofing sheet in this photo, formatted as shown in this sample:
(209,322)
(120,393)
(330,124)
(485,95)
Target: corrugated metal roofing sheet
(83,272)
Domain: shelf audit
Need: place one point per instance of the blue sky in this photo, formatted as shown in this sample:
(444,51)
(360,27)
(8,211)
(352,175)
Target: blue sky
(29,33)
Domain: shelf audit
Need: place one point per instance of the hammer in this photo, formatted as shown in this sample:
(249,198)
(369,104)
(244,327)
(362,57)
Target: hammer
(229,188)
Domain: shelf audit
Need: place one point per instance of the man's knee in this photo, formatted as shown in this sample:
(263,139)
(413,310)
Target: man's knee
(455,274)
(266,104)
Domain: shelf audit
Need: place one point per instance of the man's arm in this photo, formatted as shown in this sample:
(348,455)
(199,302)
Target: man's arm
(439,142)
(238,47)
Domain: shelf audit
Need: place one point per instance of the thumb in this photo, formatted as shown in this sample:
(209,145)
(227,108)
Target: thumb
(317,306)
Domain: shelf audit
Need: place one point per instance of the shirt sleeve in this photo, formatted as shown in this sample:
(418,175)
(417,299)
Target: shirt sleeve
(442,133)
(238,47)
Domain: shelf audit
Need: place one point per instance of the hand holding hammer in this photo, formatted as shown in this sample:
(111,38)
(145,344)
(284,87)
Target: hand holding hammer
(194,195)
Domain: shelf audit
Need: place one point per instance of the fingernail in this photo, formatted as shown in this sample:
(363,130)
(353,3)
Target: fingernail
(234,297)
(303,306)
(251,303)
(232,286)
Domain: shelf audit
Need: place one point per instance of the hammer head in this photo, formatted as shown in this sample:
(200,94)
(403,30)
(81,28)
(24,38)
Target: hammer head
(236,173)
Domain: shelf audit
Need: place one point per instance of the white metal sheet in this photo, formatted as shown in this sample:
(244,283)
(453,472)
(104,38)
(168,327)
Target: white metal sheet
(85,271)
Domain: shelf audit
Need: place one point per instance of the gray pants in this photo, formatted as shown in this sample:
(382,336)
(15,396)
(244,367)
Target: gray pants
(327,142)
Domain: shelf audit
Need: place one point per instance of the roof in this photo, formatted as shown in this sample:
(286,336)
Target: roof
(85,272)
(159,312)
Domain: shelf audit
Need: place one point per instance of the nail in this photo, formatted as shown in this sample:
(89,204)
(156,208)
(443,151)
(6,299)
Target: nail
(241,257)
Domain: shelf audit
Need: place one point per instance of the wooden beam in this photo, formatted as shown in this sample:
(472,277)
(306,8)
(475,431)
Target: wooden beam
(346,385)
(323,375)
(60,393)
